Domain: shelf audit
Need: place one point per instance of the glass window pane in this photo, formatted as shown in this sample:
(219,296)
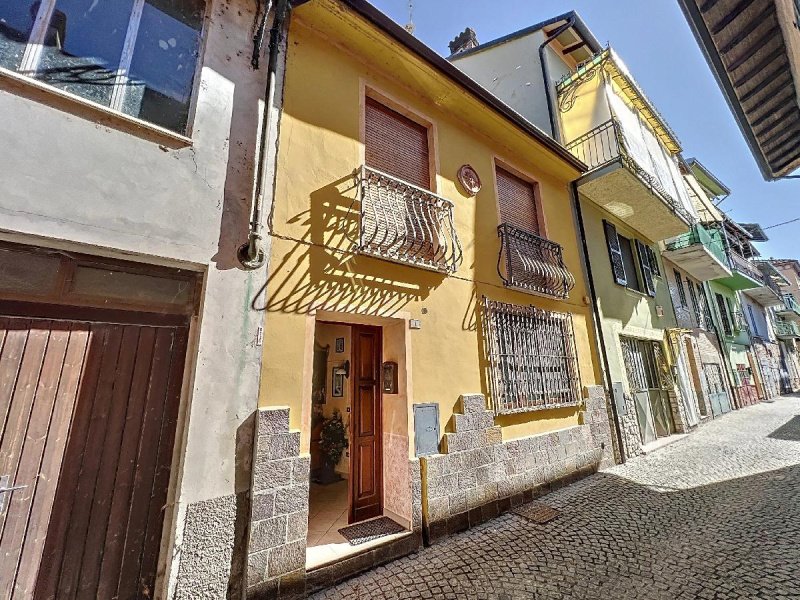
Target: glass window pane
(163,66)
(16,22)
(28,272)
(83,46)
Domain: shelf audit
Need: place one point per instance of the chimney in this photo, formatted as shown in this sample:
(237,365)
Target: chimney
(465,40)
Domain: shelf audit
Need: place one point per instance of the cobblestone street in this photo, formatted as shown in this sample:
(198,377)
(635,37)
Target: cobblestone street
(715,515)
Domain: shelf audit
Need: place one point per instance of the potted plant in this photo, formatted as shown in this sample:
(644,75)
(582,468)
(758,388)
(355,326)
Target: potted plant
(332,444)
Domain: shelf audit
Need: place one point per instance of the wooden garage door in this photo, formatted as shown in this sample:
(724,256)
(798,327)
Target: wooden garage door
(88,412)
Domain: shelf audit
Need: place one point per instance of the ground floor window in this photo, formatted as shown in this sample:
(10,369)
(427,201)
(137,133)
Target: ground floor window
(532,357)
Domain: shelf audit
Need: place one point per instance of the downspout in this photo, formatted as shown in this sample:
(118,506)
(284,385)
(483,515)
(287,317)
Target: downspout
(599,339)
(252,255)
(555,129)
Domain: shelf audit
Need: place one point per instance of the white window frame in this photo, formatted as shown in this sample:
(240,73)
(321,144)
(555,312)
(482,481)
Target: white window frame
(34,46)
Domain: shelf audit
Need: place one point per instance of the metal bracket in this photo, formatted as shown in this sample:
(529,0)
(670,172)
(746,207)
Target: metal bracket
(6,489)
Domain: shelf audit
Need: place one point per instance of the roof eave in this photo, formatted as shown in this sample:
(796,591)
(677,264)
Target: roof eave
(706,43)
(428,55)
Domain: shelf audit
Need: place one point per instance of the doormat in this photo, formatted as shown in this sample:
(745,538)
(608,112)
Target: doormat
(537,512)
(361,533)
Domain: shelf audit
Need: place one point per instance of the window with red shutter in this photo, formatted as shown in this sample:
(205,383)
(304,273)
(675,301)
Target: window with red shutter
(396,145)
(517,199)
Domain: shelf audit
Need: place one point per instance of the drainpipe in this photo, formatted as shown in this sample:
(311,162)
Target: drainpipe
(599,339)
(252,255)
(555,129)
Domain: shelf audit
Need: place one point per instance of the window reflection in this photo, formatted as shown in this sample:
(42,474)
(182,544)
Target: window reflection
(135,56)
(163,66)
(83,47)
(16,21)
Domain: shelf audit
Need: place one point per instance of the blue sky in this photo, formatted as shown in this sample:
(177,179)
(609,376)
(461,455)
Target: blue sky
(654,40)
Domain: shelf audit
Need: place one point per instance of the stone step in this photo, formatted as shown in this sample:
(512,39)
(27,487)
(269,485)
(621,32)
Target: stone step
(470,422)
(273,419)
(469,404)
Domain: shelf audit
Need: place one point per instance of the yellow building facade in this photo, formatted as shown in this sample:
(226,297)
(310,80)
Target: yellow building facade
(397,305)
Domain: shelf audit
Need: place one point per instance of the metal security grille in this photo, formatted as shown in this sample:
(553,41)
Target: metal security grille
(517,199)
(533,264)
(396,145)
(532,358)
(640,364)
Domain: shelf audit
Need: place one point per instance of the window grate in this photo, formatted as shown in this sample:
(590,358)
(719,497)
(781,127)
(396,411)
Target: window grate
(532,358)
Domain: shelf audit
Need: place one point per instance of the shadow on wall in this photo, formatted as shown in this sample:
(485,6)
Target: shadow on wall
(242,144)
(322,271)
(243,465)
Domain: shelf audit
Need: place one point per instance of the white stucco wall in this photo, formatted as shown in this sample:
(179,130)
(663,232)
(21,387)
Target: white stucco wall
(513,72)
(71,182)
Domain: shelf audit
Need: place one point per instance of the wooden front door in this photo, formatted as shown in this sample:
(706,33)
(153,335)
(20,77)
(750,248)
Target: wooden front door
(366,431)
(88,412)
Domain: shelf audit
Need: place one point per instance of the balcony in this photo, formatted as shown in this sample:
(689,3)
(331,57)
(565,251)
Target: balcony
(403,223)
(744,274)
(532,264)
(701,253)
(627,189)
(768,293)
(790,310)
(786,330)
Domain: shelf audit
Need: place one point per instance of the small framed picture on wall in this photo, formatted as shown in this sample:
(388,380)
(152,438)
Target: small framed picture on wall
(339,345)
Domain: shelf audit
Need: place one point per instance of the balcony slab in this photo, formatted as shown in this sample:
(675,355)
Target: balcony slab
(699,262)
(623,194)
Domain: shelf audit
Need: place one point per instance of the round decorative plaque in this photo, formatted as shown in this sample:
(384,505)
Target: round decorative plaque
(469,179)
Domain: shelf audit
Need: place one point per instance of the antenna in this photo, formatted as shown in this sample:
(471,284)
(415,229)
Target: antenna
(409,27)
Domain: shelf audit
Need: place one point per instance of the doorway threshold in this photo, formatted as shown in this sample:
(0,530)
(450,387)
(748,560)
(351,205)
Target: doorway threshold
(662,443)
(336,548)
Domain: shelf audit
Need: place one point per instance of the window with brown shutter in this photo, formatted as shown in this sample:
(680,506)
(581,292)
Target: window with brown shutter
(396,145)
(517,199)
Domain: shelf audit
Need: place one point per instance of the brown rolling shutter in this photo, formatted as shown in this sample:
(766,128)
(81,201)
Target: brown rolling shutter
(396,145)
(517,201)
(615,254)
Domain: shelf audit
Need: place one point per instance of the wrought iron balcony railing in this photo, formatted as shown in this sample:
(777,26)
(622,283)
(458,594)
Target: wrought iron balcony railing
(745,267)
(786,329)
(711,239)
(791,304)
(403,223)
(740,322)
(531,263)
(605,144)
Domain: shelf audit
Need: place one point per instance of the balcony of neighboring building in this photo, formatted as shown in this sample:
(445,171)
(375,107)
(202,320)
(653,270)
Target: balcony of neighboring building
(789,310)
(406,224)
(533,264)
(700,252)
(735,328)
(744,274)
(610,125)
(786,330)
(769,292)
